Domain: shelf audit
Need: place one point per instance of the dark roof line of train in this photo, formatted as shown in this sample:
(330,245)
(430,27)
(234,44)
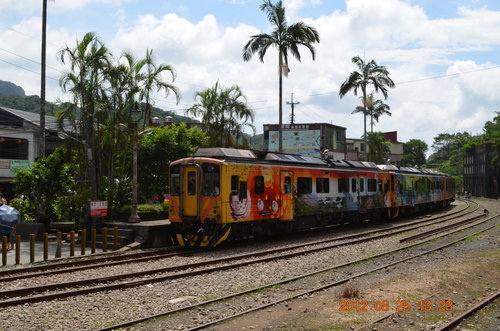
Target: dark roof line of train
(264,157)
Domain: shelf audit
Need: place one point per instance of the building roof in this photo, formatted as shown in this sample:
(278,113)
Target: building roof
(34,119)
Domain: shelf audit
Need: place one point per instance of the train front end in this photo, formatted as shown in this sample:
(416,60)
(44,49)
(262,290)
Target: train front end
(195,212)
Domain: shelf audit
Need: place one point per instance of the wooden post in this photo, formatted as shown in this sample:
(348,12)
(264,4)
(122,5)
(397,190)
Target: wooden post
(45,246)
(83,242)
(104,239)
(93,235)
(4,250)
(18,249)
(59,244)
(32,248)
(72,243)
(115,238)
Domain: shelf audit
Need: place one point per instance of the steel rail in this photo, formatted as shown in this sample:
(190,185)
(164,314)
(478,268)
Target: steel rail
(77,263)
(51,287)
(256,289)
(441,229)
(86,282)
(468,312)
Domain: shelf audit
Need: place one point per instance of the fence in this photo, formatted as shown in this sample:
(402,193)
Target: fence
(71,237)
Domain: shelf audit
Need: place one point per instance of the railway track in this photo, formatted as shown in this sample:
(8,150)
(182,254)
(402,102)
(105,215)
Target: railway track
(111,259)
(323,283)
(31,294)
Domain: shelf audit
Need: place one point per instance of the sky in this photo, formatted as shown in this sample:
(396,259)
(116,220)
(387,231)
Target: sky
(444,56)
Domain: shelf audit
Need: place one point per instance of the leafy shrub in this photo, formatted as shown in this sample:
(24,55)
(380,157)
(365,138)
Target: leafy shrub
(25,208)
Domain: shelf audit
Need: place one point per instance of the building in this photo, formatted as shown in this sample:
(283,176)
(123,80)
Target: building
(19,142)
(481,177)
(356,148)
(309,139)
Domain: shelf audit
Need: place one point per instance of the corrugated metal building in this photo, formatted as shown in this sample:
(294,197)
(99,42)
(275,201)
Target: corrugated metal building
(481,177)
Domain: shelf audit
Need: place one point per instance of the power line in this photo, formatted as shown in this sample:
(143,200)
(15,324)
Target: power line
(32,71)
(28,59)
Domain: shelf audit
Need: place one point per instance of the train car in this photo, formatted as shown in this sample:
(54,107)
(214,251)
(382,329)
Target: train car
(225,194)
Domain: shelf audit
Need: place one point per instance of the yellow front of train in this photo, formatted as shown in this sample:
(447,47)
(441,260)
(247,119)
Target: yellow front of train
(196,206)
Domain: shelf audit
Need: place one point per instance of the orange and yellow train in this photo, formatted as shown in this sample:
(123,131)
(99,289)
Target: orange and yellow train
(221,193)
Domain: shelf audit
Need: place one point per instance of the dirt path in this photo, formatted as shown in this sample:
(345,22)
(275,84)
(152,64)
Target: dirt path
(430,291)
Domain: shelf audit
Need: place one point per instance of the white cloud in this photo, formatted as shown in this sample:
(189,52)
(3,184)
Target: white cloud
(395,33)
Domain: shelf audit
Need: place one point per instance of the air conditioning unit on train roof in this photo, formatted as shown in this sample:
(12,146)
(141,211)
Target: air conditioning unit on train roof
(225,153)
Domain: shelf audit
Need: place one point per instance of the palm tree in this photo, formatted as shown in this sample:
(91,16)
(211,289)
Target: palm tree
(374,109)
(379,108)
(286,38)
(369,74)
(88,62)
(223,113)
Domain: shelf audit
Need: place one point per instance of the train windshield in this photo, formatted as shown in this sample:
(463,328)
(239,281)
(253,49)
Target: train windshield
(211,179)
(175,180)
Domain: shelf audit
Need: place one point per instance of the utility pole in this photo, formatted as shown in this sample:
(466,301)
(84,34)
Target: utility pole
(292,104)
(41,152)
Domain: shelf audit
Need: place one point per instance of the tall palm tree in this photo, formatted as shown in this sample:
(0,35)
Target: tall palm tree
(87,62)
(223,113)
(286,38)
(374,109)
(369,74)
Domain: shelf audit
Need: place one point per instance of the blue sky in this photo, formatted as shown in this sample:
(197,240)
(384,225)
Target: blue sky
(202,39)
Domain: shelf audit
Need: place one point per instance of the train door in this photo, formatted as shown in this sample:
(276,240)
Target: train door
(356,190)
(287,203)
(190,194)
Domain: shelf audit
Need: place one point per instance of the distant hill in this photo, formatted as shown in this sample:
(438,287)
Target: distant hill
(13,96)
(8,88)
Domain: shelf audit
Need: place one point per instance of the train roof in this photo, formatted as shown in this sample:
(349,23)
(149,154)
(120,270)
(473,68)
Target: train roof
(242,155)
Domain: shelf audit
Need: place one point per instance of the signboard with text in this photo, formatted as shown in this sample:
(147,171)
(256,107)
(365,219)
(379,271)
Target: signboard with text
(98,208)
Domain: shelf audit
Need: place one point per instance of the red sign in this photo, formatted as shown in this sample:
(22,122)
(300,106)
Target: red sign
(98,208)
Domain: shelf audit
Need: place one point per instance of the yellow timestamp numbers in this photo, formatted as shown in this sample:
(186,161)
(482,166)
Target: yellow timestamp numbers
(399,305)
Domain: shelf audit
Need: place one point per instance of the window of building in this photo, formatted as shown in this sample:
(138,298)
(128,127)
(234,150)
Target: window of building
(362,147)
(13,148)
(361,185)
(304,185)
(322,185)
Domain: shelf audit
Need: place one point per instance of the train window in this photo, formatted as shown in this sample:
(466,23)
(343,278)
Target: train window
(243,190)
(175,184)
(361,185)
(372,185)
(235,183)
(288,184)
(322,185)
(259,184)
(353,185)
(343,185)
(387,186)
(191,185)
(304,185)
(211,179)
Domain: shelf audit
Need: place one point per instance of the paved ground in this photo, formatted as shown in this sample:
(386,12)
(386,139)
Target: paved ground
(39,249)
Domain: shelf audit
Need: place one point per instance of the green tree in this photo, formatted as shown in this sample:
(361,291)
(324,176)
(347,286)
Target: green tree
(287,39)
(374,109)
(88,61)
(223,113)
(414,153)
(161,147)
(492,135)
(369,74)
(48,180)
(378,147)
